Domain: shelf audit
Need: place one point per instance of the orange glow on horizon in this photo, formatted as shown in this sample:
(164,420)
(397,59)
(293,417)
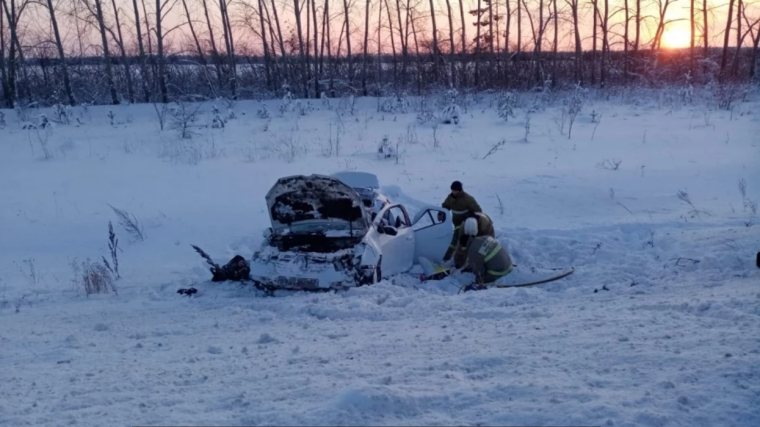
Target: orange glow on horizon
(676,38)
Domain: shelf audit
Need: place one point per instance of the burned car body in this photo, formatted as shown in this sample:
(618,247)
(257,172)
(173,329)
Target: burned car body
(322,236)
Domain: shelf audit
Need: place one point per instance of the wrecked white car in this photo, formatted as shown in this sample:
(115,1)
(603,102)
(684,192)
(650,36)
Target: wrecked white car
(322,237)
(368,187)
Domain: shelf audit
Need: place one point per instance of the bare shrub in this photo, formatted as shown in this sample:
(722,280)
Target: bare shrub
(130,223)
(748,204)
(612,196)
(574,107)
(684,197)
(496,147)
(29,270)
(506,105)
(161,113)
(96,278)
(411,134)
(560,120)
(43,138)
(113,246)
(597,120)
(62,114)
(183,117)
(527,127)
(610,164)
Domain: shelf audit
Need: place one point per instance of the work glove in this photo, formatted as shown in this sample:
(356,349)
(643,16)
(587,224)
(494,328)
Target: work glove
(449,263)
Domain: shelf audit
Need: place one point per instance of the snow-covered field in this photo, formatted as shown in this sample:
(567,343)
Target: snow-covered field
(659,325)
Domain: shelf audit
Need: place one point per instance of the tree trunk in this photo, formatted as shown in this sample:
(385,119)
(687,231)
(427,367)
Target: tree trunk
(230,45)
(417,51)
(452,50)
(578,46)
(267,59)
(348,42)
(214,51)
(753,64)
(435,42)
(605,43)
(464,43)
(106,54)
(506,42)
(201,55)
(3,76)
(366,42)
(555,48)
(519,26)
(393,43)
(477,46)
(739,37)
(301,52)
(726,36)
(329,49)
(404,42)
(141,51)
(314,18)
(704,29)
(692,36)
(61,55)
(638,26)
(627,18)
(593,45)
(160,47)
(124,58)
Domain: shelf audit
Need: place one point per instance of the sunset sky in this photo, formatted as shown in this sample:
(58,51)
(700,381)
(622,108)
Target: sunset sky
(36,24)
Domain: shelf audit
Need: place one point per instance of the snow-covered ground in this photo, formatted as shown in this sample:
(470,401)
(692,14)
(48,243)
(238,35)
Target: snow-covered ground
(659,325)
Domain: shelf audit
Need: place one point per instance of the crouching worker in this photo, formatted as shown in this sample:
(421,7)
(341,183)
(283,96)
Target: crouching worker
(236,270)
(488,260)
(477,224)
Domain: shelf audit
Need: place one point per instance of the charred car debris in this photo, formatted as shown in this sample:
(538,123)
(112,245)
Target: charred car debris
(336,232)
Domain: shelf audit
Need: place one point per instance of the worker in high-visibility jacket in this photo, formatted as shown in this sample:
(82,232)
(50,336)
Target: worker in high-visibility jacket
(488,260)
(460,204)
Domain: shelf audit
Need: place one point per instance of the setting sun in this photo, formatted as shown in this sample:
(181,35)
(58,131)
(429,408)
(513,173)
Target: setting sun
(675,38)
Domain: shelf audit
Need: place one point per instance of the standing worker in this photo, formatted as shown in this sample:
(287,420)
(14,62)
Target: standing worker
(459,203)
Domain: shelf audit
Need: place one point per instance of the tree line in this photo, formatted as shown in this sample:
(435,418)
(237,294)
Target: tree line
(111,52)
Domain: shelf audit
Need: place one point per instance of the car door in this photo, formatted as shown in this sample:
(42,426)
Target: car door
(433,229)
(397,250)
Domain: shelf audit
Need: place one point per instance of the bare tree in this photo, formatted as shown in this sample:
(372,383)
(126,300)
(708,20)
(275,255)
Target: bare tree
(3,76)
(125,61)
(301,52)
(314,19)
(61,55)
(452,51)
(212,41)
(464,42)
(13,14)
(141,51)
(366,45)
(726,35)
(755,37)
(346,22)
(393,42)
(106,54)
(229,43)
(435,42)
(574,4)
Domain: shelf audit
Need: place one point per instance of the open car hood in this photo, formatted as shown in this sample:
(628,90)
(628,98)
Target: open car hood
(315,203)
